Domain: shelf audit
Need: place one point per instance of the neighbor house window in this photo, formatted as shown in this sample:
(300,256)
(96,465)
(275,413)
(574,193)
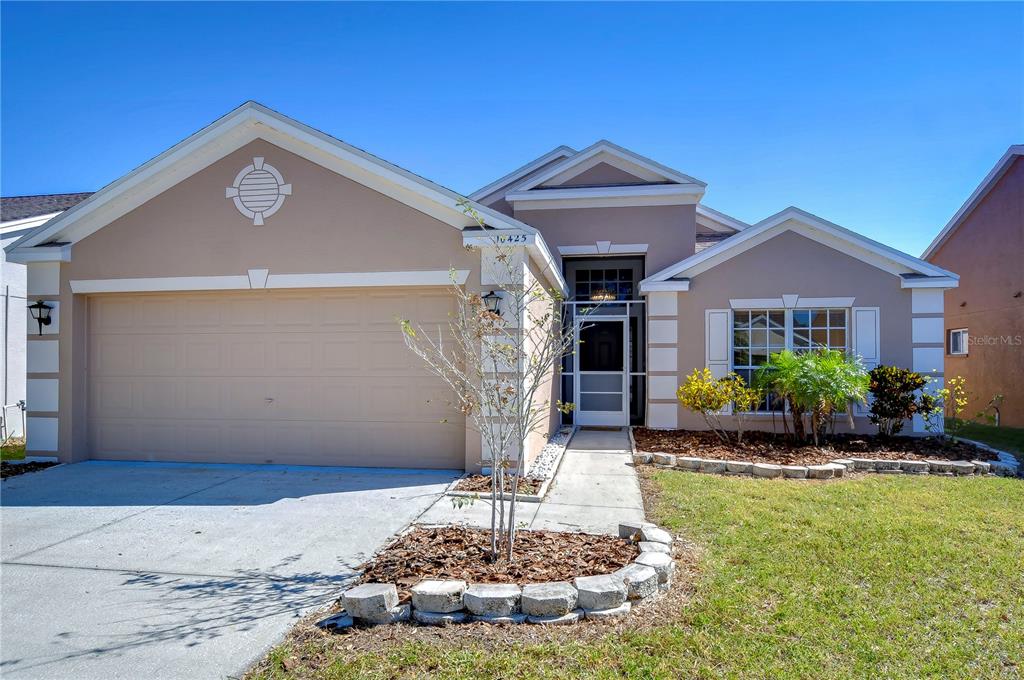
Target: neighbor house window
(759,333)
(958,341)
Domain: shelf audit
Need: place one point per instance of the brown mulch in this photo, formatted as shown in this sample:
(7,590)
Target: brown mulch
(768,447)
(8,469)
(482,484)
(461,553)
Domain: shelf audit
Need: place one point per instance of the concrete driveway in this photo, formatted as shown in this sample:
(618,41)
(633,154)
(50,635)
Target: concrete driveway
(150,570)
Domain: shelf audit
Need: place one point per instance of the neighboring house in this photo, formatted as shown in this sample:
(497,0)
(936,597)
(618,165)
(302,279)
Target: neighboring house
(235,298)
(18,216)
(984,328)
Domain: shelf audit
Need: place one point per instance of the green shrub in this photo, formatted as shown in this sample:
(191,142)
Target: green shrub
(895,399)
(702,393)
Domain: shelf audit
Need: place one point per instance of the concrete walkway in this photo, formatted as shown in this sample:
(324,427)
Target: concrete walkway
(594,489)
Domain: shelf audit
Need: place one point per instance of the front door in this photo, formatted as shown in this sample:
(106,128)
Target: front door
(602,392)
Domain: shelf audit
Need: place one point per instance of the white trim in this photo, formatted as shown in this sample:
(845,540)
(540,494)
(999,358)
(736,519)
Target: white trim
(927,301)
(42,356)
(928,360)
(790,302)
(42,279)
(972,201)
(258,278)
(718,221)
(926,329)
(664,303)
(663,416)
(27,222)
(964,342)
(662,359)
(517,174)
(437,277)
(681,285)
(662,331)
(600,249)
(38,253)
(41,394)
(604,146)
(41,434)
(600,197)
(662,386)
(867,345)
(639,173)
(929,282)
(813,227)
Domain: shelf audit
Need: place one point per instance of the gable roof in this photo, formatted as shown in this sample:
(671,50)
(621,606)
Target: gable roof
(23,207)
(994,175)
(718,221)
(555,154)
(912,271)
(232,131)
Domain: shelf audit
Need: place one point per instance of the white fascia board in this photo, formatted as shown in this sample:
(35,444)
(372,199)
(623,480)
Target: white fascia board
(612,249)
(647,286)
(605,197)
(27,222)
(718,221)
(811,226)
(523,171)
(604,146)
(986,184)
(21,255)
(931,282)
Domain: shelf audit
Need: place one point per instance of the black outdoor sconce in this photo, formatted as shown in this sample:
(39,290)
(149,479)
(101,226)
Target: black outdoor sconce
(491,301)
(41,313)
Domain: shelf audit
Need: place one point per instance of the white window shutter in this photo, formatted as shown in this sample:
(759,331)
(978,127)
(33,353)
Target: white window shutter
(866,344)
(718,343)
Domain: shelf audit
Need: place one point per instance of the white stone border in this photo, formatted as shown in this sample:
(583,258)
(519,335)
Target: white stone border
(445,602)
(837,467)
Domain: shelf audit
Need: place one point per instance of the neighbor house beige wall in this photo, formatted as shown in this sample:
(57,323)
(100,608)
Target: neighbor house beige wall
(329,224)
(987,251)
(786,264)
(668,230)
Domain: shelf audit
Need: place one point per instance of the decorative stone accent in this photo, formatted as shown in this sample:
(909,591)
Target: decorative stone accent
(846,463)
(651,546)
(962,467)
(565,619)
(438,596)
(660,562)
(336,621)
(631,530)
(492,599)
(713,466)
(863,463)
(767,470)
(641,581)
(838,469)
(883,465)
(738,467)
(664,459)
(820,471)
(981,467)
(395,615)
(601,592)
(370,600)
(940,467)
(641,458)
(688,462)
(438,618)
(610,613)
(794,471)
(914,467)
(653,534)
(548,599)
(495,619)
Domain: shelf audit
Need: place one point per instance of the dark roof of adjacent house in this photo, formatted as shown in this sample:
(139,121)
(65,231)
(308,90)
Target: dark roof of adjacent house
(705,241)
(22,207)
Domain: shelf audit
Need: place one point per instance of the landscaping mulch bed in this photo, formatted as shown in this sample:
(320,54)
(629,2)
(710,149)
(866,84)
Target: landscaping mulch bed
(461,553)
(767,447)
(482,484)
(15,469)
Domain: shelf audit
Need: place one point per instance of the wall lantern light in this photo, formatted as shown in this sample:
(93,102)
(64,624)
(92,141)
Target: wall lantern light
(491,301)
(41,313)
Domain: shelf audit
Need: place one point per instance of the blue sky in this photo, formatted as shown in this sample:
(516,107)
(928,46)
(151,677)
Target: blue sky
(880,117)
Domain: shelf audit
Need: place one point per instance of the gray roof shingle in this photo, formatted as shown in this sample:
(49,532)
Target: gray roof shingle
(22,207)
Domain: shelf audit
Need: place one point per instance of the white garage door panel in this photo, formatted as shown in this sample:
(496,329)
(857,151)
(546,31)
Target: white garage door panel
(285,377)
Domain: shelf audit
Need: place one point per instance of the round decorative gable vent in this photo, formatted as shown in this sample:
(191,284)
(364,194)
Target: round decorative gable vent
(258,191)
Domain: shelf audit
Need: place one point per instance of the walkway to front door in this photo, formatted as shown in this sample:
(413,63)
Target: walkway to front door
(595,488)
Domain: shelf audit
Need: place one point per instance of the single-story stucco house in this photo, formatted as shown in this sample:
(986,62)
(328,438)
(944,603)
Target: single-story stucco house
(235,298)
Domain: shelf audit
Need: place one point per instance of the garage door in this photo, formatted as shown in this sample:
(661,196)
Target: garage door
(292,377)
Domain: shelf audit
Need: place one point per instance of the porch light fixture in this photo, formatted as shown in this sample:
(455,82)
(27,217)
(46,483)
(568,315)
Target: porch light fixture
(491,301)
(602,295)
(41,313)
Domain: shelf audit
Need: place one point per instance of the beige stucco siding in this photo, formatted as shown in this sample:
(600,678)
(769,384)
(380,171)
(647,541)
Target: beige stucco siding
(669,230)
(329,224)
(791,264)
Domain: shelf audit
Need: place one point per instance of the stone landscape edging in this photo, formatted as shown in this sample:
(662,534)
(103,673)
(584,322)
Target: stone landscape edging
(835,468)
(444,601)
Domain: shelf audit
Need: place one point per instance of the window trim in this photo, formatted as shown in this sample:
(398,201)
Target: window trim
(964,344)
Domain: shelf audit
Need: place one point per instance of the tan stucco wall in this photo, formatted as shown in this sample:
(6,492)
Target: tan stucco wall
(987,251)
(602,173)
(668,230)
(791,264)
(329,224)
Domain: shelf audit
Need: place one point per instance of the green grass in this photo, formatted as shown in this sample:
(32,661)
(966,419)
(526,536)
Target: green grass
(873,577)
(13,451)
(1009,439)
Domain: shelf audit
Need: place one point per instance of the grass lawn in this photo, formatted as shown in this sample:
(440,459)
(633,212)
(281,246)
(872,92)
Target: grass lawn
(1009,439)
(869,577)
(13,451)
